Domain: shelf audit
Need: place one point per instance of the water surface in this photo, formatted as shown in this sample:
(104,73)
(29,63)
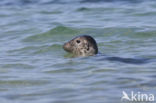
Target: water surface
(35,68)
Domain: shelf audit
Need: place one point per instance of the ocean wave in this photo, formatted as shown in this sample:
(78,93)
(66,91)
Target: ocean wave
(53,35)
(30,2)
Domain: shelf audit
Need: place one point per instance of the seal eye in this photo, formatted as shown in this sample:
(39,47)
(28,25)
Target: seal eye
(78,41)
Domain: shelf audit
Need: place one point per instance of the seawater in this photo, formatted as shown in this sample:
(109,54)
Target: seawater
(35,69)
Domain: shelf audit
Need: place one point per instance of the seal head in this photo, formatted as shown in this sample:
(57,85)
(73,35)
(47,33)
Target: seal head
(83,45)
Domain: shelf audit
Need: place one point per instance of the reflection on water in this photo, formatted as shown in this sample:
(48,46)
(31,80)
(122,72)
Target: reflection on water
(35,68)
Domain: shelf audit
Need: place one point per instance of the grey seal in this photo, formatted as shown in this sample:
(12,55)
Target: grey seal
(83,45)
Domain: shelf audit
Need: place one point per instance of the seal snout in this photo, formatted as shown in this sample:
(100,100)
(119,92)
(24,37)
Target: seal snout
(67,47)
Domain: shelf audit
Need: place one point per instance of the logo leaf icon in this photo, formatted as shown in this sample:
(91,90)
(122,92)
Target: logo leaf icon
(125,96)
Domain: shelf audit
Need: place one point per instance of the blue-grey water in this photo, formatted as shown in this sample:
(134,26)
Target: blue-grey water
(35,69)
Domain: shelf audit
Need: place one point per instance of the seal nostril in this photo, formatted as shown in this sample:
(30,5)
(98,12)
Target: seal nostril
(66,47)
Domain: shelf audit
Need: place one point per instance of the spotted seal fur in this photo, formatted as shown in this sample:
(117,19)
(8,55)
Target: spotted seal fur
(86,45)
(83,45)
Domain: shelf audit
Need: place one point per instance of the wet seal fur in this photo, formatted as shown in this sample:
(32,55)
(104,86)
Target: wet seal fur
(83,45)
